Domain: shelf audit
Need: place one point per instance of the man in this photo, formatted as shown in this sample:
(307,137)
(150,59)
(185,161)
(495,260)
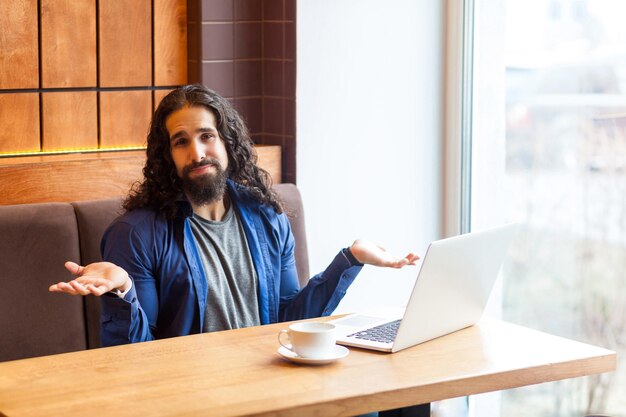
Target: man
(204,244)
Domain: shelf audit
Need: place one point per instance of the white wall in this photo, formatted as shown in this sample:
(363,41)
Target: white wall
(369,109)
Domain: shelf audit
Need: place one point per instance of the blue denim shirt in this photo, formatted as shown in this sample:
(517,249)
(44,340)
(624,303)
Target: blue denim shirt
(169,292)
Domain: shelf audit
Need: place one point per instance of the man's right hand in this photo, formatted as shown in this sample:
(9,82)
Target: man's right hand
(96,278)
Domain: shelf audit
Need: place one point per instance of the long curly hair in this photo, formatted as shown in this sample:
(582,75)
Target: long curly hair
(161,186)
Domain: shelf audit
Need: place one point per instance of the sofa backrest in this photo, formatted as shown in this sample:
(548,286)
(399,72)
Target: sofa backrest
(93,217)
(290,195)
(35,242)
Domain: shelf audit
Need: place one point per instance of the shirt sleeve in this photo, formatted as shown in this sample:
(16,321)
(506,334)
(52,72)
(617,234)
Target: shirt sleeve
(323,292)
(126,320)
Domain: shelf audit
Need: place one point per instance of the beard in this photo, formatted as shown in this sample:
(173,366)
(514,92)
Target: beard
(206,188)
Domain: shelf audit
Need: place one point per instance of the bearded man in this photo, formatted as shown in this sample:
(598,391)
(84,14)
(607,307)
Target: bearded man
(204,244)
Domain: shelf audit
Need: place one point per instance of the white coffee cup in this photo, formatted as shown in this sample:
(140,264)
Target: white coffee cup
(310,340)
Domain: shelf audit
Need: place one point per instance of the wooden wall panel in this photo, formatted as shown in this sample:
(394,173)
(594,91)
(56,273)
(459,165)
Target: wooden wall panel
(125,43)
(124,118)
(170,42)
(19,122)
(270,158)
(68,43)
(87,176)
(70,120)
(71,177)
(19,67)
(158,96)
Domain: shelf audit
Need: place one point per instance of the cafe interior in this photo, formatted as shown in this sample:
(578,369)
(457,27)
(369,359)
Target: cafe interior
(353,108)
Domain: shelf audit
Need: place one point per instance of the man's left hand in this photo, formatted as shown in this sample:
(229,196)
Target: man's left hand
(369,253)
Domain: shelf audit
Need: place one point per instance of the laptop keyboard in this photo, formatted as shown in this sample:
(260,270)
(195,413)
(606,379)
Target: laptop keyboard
(385,333)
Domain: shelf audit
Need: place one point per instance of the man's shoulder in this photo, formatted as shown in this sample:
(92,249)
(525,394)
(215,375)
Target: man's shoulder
(240,193)
(138,220)
(253,209)
(245,200)
(244,196)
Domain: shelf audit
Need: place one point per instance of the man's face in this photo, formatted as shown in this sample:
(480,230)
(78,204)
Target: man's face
(198,152)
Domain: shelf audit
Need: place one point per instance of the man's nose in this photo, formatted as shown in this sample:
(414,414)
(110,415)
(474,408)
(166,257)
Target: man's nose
(198,152)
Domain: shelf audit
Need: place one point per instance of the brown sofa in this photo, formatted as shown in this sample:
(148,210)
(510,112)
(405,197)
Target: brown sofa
(36,240)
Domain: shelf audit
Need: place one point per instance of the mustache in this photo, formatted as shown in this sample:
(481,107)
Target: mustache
(204,162)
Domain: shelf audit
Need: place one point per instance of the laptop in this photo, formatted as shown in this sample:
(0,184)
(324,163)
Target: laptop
(451,291)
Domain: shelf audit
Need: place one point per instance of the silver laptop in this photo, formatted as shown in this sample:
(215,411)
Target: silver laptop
(451,291)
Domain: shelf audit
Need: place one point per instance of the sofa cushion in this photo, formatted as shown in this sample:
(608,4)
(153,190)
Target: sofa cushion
(290,195)
(35,242)
(93,218)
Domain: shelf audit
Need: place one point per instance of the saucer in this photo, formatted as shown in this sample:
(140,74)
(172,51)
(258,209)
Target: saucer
(338,353)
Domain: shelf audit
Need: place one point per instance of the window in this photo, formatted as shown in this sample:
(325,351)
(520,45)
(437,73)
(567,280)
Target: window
(549,149)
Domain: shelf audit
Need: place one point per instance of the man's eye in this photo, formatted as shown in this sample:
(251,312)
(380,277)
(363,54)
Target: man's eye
(180,142)
(207,136)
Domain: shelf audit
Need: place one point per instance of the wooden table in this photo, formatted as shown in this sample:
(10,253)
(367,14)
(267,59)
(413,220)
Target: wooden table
(237,373)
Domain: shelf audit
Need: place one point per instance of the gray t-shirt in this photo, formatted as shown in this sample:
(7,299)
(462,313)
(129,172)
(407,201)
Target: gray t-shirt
(232,300)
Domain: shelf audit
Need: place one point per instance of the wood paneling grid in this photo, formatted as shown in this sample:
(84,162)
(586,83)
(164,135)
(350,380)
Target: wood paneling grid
(86,74)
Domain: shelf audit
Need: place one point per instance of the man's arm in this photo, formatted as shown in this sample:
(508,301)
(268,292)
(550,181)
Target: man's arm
(367,252)
(124,319)
(322,293)
(325,290)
